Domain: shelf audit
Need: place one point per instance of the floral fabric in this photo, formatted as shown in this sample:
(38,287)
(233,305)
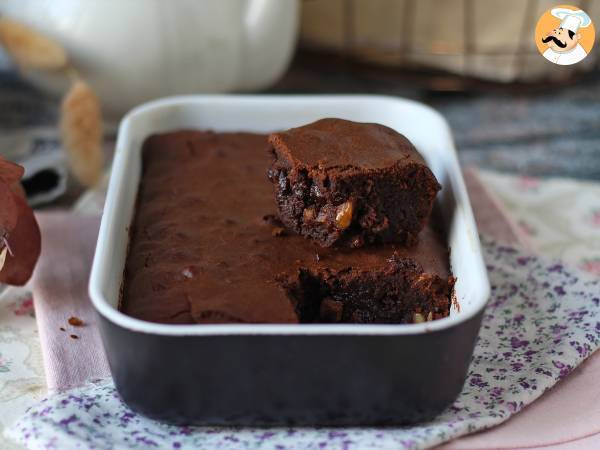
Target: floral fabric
(560,216)
(21,369)
(541,322)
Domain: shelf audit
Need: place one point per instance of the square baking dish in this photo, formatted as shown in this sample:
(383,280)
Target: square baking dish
(305,374)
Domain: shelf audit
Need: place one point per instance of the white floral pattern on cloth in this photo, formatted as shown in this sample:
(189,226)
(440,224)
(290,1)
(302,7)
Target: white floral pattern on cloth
(541,322)
(21,369)
(560,216)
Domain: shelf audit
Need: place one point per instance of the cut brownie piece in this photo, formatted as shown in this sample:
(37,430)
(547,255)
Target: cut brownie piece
(412,285)
(350,183)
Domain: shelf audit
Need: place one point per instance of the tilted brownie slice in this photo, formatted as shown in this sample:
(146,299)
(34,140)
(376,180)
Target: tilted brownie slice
(350,183)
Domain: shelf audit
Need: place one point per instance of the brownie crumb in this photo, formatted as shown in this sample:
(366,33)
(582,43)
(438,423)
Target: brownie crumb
(73,336)
(62,329)
(75,321)
(418,318)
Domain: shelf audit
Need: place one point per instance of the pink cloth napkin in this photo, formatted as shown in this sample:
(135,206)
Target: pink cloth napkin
(560,419)
(492,218)
(566,417)
(59,285)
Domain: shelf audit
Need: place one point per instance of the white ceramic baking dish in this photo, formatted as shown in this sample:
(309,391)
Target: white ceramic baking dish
(317,374)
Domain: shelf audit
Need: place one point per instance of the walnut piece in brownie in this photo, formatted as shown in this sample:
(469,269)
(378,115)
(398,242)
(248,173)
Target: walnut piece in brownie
(350,183)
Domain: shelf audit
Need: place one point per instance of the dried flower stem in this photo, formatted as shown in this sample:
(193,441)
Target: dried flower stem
(81,118)
(30,49)
(81,129)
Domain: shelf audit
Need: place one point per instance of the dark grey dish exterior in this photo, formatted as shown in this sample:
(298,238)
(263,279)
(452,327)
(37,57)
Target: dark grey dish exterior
(325,380)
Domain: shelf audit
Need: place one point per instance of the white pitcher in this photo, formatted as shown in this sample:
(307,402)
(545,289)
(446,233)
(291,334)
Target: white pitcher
(131,51)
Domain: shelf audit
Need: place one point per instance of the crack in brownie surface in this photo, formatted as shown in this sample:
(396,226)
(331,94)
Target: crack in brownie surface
(349,183)
(206,247)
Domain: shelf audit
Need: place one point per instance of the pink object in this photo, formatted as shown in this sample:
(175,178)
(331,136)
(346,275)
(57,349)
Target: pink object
(566,417)
(492,218)
(59,286)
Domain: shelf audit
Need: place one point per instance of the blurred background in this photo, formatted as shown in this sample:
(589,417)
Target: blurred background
(527,131)
(474,61)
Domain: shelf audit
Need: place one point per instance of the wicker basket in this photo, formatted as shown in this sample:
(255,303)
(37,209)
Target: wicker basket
(487,39)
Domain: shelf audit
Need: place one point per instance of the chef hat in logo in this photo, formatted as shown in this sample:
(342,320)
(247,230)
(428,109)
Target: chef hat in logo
(572,20)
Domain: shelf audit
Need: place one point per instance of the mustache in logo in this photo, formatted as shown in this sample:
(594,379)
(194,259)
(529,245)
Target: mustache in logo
(555,40)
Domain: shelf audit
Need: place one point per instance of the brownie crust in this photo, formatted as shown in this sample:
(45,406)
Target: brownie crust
(207,247)
(350,184)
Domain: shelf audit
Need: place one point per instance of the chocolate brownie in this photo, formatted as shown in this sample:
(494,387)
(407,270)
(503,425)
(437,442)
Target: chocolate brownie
(206,247)
(350,183)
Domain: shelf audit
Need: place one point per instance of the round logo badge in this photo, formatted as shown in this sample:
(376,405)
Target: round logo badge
(564,35)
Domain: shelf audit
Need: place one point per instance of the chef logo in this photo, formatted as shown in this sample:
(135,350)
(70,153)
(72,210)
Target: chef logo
(565,35)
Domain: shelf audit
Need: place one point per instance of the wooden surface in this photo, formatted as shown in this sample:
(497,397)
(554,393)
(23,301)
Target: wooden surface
(541,129)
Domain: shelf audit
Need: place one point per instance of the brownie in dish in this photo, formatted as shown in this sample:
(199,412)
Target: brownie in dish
(207,247)
(350,183)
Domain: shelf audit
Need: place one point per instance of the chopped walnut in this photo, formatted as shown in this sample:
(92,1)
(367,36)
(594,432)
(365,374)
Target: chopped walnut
(308,214)
(421,281)
(322,216)
(418,318)
(343,217)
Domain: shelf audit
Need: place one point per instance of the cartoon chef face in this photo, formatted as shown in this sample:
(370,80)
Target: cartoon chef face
(565,38)
(561,39)
(564,41)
